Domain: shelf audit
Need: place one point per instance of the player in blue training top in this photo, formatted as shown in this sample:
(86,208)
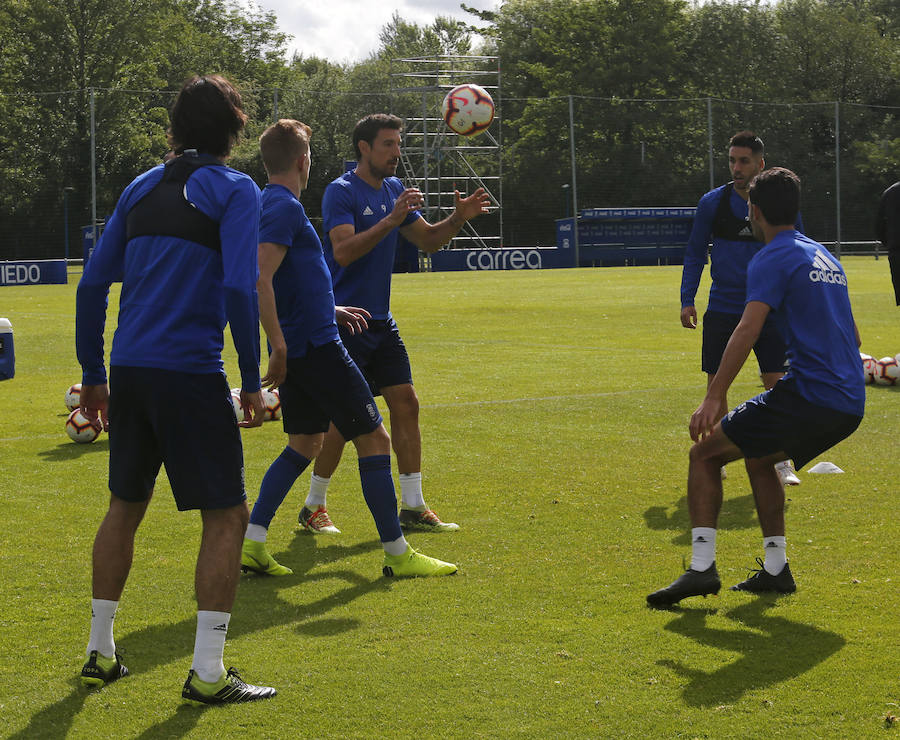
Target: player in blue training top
(182,240)
(319,383)
(722,216)
(363,211)
(819,401)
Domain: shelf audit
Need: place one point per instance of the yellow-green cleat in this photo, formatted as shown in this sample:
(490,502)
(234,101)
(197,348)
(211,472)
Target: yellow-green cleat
(100,670)
(255,557)
(229,689)
(413,564)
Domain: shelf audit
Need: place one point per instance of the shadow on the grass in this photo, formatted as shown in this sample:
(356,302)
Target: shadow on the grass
(65,451)
(771,650)
(737,513)
(258,607)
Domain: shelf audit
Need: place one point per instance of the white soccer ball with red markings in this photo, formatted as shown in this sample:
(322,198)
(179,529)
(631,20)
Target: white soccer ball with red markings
(272,399)
(887,371)
(468,109)
(236,402)
(869,366)
(73,396)
(80,429)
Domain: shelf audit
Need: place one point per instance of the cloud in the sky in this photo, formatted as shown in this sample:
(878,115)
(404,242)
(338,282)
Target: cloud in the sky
(347,30)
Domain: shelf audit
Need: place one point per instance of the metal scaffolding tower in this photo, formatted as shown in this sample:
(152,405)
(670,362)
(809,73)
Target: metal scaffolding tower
(438,161)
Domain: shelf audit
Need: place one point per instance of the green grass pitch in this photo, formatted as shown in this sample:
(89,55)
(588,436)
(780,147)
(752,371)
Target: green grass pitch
(554,415)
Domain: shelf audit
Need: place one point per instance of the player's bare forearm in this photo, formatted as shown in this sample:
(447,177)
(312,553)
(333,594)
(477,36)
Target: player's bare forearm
(349,246)
(431,237)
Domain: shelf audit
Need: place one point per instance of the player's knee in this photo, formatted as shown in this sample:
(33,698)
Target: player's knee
(376,442)
(405,404)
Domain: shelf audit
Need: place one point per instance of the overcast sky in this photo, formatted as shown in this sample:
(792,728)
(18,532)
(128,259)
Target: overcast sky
(347,30)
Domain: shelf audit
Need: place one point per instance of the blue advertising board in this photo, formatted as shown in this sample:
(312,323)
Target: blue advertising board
(628,236)
(33,272)
(523,258)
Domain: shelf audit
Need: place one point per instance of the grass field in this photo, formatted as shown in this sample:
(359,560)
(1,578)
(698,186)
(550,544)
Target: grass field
(554,413)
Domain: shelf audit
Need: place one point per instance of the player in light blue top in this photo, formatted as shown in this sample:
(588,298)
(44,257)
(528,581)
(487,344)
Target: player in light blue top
(819,401)
(721,218)
(319,383)
(364,212)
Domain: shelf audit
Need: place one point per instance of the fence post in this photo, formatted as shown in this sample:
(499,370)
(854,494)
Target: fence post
(93,170)
(837,176)
(709,137)
(574,180)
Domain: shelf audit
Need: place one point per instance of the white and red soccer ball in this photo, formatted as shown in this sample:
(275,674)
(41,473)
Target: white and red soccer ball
(468,109)
(272,399)
(80,429)
(887,371)
(869,366)
(73,396)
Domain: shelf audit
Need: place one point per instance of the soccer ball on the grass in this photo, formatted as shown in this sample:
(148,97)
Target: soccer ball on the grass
(869,366)
(236,402)
(80,429)
(272,399)
(887,371)
(73,396)
(468,109)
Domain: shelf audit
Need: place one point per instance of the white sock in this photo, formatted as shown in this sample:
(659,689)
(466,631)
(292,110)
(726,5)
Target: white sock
(318,488)
(103,613)
(209,645)
(256,532)
(775,549)
(396,547)
(703,547)
(411,491)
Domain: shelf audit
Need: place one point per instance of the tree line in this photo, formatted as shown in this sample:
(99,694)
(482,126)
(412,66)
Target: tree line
(641,75)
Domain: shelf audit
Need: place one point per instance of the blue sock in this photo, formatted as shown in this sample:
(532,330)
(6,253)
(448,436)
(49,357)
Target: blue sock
(378,490)
(277,481)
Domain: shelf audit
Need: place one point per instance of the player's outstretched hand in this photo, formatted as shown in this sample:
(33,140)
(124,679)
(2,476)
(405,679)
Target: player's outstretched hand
(408,201)
(705,418)
(94,401)
(254,408)
(277,369)
(689,317)
(355,319)
(477,203)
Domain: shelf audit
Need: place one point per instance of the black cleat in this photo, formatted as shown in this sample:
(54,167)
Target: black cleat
(762,581)
(99,671)
(230,689)
(689,583)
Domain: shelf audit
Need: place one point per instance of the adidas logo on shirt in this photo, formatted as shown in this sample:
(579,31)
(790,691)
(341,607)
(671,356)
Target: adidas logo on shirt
(367,211)
(826,270)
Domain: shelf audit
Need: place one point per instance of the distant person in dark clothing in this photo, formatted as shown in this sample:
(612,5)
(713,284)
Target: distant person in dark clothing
(887,228)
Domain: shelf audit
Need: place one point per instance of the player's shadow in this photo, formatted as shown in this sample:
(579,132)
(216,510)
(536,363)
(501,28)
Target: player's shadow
(66,451)
(737,513)
(258,607)
(771,650)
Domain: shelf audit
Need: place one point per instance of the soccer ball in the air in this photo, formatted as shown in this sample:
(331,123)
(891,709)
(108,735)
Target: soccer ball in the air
(80,429)
(869,366)
(887,371)
(272,399)
(468,109)
(73,396)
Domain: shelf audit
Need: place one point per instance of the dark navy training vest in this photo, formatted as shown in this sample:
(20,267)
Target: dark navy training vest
(726,225)
(166,211)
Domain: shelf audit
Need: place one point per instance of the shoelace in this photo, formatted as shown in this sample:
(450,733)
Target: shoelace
(757,571)
(321,519)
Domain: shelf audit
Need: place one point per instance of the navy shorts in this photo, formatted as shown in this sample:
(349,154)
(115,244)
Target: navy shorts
(770,349)
(184,421)
(380,353)
(323,386)
(781,420)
